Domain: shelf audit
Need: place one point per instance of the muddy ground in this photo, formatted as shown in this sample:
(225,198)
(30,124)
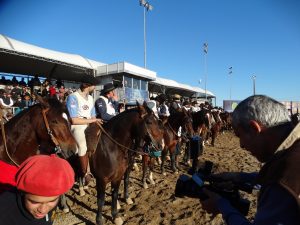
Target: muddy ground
(157,204)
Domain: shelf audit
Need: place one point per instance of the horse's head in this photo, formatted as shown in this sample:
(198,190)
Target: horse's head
(54,126)
(151,127)
(187,123)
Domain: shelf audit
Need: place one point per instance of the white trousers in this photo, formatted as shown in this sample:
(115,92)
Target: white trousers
(79,135)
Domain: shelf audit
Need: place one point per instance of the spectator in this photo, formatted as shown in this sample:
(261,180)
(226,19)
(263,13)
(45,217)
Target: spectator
(176,104)
(6,100)
(22,83)
(264,128)
(35,84)
(40,180)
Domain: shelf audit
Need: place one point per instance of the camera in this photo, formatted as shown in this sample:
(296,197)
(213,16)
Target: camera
(192,186)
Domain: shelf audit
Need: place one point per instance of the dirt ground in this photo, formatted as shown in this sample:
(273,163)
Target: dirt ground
(157,204)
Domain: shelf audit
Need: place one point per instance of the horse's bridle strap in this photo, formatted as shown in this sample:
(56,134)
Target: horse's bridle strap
(56,143)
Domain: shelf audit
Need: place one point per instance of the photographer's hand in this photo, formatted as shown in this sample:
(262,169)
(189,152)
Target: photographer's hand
(210,204)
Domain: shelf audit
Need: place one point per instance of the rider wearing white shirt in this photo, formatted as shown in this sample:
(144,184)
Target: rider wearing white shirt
(81,108)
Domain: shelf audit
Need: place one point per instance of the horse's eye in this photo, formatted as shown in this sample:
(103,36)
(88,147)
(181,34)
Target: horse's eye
(54,121)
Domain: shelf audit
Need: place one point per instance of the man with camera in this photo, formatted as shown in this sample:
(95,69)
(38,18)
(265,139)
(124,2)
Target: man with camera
(264,129)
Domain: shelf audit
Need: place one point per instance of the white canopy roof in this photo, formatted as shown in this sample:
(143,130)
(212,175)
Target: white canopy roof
(22,58)
(172,87)
(127,68)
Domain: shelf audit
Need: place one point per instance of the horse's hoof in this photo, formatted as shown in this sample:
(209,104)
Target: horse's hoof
(81,192)
(136,168)
(129,201)
(118,205)
(118,221)
(66,210)
(145,186)
(152,182)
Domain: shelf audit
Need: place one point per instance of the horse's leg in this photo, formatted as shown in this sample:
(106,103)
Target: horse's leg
(173,156)
(100,202)
(145,168)
(114,209)
(81,186)
(126,183)
(151,161)
(163,159)
(63,203)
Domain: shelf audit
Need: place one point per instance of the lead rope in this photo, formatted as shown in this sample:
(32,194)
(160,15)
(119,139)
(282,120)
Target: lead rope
(4,138)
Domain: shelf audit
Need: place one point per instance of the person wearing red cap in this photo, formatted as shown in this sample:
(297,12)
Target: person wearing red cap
(40,180)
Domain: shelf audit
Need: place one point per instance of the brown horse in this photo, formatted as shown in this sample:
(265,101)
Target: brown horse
(121,139)
(41,129)
(180,118)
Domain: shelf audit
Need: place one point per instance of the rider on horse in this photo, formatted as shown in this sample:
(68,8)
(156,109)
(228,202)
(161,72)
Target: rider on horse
(107,105)
(80,105)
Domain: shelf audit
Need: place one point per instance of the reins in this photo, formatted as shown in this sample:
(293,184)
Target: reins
(117,143)
(123,146)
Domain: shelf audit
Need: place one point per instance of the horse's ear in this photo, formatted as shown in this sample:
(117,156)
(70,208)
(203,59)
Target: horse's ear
(44,103)
(141,109)
(148,110)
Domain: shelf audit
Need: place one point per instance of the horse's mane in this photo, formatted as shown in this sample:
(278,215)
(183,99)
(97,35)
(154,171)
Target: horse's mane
(57,108)
(120,116)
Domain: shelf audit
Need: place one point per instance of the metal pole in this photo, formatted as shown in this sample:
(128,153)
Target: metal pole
(253,77)
(205,49)
(230,82)
(145,42)
(147,7)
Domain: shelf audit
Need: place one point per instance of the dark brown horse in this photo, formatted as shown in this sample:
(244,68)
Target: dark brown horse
(180,118)
(40,129)
(121,139)
(202,122)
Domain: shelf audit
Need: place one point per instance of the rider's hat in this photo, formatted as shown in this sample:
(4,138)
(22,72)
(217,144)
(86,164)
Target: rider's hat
(89,79)
(107,88)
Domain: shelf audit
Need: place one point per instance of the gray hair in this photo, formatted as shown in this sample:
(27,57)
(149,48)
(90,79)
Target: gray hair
(263,109)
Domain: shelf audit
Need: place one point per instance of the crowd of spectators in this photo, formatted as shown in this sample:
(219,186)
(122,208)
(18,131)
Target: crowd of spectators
(16,95)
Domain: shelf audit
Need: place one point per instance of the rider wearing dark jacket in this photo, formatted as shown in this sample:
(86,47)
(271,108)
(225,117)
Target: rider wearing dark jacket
(107,105)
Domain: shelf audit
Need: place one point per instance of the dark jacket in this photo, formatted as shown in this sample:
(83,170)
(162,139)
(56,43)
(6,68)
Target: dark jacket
(12,211)
(101,108)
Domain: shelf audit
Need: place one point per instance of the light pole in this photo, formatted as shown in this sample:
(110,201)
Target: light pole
(205,50)
(253,78)
(230,82)
(147,7)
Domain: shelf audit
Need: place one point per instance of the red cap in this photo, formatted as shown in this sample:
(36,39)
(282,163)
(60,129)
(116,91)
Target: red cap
(45,175)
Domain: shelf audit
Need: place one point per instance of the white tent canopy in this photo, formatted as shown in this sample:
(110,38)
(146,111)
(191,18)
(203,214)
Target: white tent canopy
(22,58)
(171,87)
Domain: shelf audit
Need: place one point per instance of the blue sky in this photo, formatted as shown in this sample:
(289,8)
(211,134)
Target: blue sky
(254,37)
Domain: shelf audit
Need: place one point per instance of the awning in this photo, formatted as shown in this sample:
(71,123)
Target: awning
(22,58)
(170,87)
(125,68)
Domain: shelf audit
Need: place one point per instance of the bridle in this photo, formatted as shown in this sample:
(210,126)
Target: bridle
(152,141)
(57,149)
